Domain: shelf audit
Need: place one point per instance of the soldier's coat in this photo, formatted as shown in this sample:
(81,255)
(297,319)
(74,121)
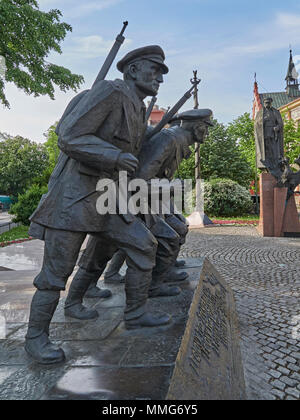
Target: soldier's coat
(108,120)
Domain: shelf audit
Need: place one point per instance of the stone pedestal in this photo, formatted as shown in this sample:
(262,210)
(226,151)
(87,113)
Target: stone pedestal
(209,363)
(266,221)
(291,222)
(199,220)
(280,195)
(277,217)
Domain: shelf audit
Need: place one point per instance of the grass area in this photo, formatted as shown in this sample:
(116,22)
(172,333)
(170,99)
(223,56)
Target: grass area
(249,218)
(20,232)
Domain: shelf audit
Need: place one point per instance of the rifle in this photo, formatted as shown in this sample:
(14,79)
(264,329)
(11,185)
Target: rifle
(112,55)
(169,115)
(150,108)
(101,76)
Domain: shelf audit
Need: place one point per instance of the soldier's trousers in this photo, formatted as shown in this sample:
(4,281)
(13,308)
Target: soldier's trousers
(181,227)
(168,240)
(134,239)
(179,224)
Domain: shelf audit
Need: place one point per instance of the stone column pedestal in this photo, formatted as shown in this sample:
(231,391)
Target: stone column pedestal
(277,217)
(266,221)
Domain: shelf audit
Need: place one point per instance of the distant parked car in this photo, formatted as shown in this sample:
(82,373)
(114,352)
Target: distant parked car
(5,202)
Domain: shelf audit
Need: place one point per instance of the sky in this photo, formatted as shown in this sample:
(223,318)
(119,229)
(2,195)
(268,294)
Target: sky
(227,41)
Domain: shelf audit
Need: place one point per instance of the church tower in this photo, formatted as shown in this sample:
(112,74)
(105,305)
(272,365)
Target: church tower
(292,83)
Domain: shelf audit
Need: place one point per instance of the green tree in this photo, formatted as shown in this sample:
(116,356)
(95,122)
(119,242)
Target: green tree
(186,169)
(291,139)
(241,130)
(27,203)
(21,160)
(51,146)
(53,152)
(27,36)
(221,157)
(4,136)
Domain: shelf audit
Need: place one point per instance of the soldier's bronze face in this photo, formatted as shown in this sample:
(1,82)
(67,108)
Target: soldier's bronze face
(268,103)
(149,76)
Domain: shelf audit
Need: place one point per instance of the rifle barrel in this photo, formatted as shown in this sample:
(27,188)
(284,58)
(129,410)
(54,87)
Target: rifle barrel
(112,55)
(150,107)
(167,117)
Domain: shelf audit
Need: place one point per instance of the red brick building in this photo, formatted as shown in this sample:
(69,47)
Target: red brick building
(156,115)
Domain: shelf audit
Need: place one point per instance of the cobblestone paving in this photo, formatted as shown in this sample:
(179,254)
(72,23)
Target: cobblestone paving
(264,274)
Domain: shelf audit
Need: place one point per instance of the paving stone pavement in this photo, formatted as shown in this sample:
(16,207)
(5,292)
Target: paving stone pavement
(264,274)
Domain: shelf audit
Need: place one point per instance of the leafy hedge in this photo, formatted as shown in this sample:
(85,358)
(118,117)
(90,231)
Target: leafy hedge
(224,197)
(27,203)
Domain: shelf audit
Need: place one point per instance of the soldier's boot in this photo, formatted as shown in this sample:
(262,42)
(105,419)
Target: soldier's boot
(112,274)
(175,276)
(73,304)
(148,320)
(94,292)
(164,290)
(37,343)
(179,263)
(137,289)
(114,279)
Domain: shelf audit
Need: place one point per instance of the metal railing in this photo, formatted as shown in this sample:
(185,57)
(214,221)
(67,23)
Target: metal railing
(6,227)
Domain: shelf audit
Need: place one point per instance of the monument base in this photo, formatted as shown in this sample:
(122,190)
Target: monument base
(209,363)
(104,361)
(278,218)
(199,220)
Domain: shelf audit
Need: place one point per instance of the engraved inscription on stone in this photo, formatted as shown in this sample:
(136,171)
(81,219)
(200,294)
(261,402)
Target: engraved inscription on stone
(209,364)
(211,326)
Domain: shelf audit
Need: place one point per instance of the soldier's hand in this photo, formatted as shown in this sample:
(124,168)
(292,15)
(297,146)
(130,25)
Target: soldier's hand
(127,162)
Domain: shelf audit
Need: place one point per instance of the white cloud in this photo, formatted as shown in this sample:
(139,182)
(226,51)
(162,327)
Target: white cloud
(92,46)
(288,20)
(29,116)
(76,9)
(85,8)
(275,35)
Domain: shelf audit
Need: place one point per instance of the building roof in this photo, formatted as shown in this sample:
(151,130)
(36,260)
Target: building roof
(292,74)
(279,98)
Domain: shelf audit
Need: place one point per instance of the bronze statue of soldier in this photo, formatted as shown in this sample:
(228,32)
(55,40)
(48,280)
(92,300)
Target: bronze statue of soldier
(269,136)
(100,137)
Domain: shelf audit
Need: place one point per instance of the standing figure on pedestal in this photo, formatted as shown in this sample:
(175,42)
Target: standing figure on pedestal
(269,136)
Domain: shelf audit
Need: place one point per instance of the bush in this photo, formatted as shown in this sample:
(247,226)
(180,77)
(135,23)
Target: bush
(27,203)
(224,197)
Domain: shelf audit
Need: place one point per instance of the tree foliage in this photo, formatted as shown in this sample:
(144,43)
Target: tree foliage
(242,131)
(51,146)
(53,152)
(27,203)
(291,139)
(21,160)
(27,36)
(221,156)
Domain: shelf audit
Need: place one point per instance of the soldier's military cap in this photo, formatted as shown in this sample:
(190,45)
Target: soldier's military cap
(195,115)
(152,53)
